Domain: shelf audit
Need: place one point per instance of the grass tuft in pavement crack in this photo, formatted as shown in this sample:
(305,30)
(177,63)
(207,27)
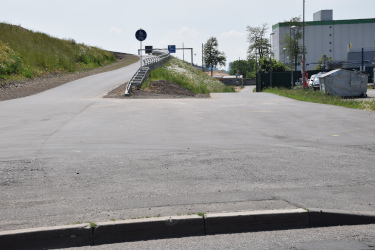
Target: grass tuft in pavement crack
(92,224)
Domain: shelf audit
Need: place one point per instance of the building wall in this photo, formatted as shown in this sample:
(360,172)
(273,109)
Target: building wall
(327,37)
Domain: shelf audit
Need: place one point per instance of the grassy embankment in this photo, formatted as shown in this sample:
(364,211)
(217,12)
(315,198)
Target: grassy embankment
(28,54)
(319,97)
(182,73)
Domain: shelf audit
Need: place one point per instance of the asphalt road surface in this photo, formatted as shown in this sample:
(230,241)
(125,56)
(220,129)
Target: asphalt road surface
(69,155)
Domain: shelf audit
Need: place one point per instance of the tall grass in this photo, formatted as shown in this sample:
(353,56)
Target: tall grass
(310,95)
(38,54)
(187,76)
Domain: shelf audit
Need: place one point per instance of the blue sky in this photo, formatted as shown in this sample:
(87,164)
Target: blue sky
(111,24)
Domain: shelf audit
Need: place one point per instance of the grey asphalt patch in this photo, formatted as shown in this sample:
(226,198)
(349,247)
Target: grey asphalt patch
(178,226)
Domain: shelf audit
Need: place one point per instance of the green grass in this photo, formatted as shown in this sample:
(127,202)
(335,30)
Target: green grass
(184,74)
(92,224)
(309,95)
(28,54)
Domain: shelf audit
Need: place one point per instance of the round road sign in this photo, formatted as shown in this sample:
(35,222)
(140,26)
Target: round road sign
(141,35)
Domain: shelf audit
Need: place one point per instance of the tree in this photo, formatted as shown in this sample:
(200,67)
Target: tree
(243,66)
(212,56)
(259,44)
(321,65)
(291,40)
(265,65)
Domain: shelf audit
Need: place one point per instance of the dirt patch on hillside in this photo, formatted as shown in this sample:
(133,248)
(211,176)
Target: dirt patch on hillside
(18,89)
(158,90)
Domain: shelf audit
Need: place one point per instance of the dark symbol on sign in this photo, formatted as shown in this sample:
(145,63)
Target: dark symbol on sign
(141,35)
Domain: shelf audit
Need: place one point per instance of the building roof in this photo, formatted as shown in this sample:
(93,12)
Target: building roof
(332,22)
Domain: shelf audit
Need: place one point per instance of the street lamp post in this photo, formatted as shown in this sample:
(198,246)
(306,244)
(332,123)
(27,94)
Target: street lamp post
(271,58)
(291,55)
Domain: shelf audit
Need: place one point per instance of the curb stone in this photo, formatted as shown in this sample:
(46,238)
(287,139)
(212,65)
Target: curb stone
(331,217)
(179,226)
(256,221)
(145,229)
(47,237)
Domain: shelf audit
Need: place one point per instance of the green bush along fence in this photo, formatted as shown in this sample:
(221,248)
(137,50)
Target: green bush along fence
(279,79)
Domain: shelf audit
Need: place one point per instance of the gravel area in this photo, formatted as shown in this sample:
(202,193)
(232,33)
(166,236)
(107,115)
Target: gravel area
(158,90)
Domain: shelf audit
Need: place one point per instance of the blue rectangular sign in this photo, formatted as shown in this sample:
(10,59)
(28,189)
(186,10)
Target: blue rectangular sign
(172,48)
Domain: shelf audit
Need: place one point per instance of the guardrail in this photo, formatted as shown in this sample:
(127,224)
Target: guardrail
(149,63)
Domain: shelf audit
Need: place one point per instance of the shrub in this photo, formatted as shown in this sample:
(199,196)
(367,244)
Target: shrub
(10,61)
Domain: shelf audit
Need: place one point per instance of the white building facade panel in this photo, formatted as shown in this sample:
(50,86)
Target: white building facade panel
(328,37)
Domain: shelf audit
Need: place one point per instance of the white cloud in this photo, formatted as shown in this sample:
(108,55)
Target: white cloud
(114,30)
(232,34)
(183,35)
(96,1)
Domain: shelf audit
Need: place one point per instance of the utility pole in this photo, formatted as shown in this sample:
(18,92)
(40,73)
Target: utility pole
(303,49)
(291,55)
(273,33)
(202,57)
(256,58)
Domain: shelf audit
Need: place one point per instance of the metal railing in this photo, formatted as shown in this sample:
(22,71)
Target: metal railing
(150,63)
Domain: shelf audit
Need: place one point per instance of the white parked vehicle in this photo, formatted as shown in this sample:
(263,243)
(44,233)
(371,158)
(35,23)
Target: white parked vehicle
(309,83)
(315,81)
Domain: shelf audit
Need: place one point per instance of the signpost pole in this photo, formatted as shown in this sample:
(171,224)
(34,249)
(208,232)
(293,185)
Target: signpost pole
(141,35)
(192,62)
(141,54)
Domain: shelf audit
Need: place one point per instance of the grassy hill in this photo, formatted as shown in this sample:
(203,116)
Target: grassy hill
(182,73)
(29,54)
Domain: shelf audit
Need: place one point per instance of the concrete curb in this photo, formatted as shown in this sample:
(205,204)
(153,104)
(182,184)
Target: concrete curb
(47,237)
(256,221)
(330,217)
(145,229)
(178,226)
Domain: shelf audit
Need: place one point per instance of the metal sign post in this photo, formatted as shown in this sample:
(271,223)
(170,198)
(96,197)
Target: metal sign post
(141,35)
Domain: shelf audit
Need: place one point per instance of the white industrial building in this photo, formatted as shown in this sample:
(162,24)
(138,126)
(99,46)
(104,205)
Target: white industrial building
(327,36)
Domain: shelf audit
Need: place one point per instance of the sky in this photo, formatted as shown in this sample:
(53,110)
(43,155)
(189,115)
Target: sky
(111,24)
